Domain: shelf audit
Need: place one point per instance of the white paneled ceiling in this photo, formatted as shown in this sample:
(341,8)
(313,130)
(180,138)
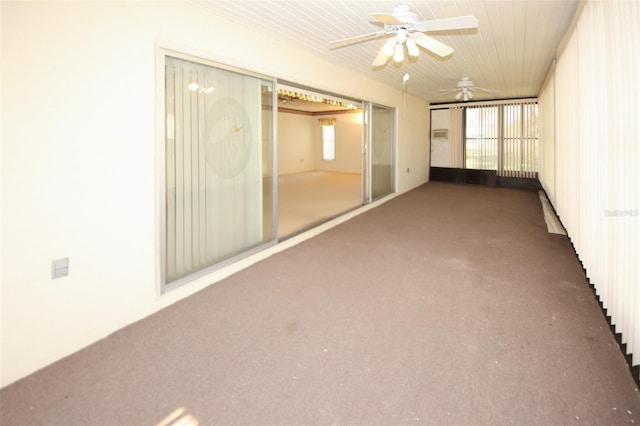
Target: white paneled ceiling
(510,52)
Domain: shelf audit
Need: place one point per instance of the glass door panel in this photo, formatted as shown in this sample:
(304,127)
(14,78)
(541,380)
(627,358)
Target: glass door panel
(381,151)
(218,166)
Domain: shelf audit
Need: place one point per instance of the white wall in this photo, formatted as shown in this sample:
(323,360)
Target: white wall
(413,144)
(78,165)
(441,147)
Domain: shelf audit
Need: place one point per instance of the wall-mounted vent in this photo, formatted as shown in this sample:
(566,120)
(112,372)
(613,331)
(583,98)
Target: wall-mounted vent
(440,134)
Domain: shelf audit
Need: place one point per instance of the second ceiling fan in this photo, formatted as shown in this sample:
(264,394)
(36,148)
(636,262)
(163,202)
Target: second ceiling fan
(465,90)
(404,30)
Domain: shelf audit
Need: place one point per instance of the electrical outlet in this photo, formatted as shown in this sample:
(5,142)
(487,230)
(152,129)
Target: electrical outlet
(59,268)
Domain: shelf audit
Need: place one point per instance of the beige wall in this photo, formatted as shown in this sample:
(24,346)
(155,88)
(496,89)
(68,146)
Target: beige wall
(295,143)
(300,143)
(79,171)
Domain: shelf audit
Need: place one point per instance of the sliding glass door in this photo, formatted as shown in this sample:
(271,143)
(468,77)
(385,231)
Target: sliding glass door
(219,192)
(219,180)
(379,152)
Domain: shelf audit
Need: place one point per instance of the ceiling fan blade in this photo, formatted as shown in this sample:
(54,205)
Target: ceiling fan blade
(493,92)
(385,18)
(381,59)
(445,92)
(353,40)
(431,44)
(457,23)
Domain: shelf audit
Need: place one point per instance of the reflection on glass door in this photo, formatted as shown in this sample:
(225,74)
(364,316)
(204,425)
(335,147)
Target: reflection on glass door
(218,192)
(379,149)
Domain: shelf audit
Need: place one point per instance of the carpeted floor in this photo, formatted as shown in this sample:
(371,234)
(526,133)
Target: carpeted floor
(447,305)
(308,198)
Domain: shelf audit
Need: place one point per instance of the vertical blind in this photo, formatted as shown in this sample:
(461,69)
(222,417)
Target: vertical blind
(214,171)
(546,123)
(593,98)
(456,136)
(481,137)
(503,137)
(519,140)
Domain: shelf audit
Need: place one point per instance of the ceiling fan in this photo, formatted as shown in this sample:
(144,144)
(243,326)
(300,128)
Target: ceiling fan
(405,30)
(466,90)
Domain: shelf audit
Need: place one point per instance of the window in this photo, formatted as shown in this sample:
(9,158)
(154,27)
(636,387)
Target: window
(520,140)
(481,142)
(328,142)
(328,138)
(503,138)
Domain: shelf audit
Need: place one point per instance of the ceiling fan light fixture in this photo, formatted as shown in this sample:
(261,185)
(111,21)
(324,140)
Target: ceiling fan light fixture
(401,35)
(388,47)
(412,48)
(403,25)
(398,53)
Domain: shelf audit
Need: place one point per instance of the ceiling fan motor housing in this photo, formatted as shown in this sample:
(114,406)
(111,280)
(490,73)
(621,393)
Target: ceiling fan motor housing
(465,82)
(403,13)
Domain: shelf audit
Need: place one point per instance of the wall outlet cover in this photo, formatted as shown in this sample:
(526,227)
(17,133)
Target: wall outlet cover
(59,268)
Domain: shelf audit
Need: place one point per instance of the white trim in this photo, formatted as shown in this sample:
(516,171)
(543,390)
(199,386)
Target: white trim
(159,178)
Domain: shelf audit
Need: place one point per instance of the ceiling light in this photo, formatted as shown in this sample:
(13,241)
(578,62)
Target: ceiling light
(388,47)
(412,48)
(401,35)
(398,53)
(465,94)
(193,87)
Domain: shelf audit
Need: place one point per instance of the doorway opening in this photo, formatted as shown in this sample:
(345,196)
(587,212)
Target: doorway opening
(320,157)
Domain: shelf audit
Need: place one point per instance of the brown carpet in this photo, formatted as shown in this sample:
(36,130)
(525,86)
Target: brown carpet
(448,305)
